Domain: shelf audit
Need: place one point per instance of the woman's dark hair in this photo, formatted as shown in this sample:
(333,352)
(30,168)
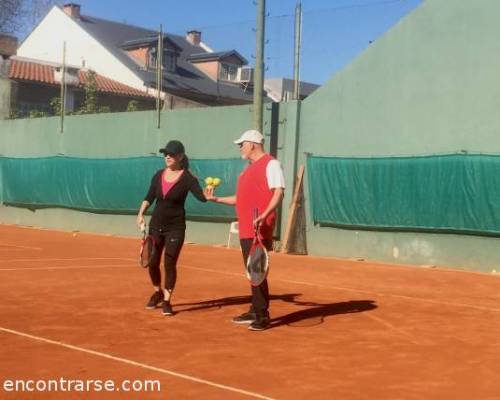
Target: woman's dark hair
(184,163)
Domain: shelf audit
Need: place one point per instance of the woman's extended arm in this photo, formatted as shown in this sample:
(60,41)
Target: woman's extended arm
(228,200)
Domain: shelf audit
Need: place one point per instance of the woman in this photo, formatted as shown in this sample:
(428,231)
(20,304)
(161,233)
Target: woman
(169,187)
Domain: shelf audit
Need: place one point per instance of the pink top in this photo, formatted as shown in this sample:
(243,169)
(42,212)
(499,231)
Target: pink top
(166,186)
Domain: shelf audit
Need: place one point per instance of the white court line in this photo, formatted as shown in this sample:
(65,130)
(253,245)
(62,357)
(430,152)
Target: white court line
(69,267)
(65,259)
(393,328)
(430,301)
(18,247)
(447,303)
(399,296)
(137,364)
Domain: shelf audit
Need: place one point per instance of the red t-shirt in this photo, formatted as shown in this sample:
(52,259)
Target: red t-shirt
(253,192)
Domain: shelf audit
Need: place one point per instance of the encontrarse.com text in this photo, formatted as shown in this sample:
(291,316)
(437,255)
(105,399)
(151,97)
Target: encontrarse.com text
(79,385)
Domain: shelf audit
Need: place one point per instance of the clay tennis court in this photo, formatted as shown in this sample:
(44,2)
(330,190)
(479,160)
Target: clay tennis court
(73,307)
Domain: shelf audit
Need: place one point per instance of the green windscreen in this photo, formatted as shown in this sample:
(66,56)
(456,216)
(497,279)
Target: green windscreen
(455,193)
(106,185)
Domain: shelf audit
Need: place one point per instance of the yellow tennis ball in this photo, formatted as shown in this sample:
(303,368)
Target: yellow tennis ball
(209,180)
(216,181)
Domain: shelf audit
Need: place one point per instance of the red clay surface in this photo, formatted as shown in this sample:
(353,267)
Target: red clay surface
(340,329)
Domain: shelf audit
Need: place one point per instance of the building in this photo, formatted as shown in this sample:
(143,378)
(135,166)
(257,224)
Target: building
(30,88)
(281,89)
(193,74)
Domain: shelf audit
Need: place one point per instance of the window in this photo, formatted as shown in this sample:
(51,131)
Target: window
(151,61)
(228,72)
(169,60)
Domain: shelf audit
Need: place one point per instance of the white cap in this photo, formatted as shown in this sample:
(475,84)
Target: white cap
(250,136)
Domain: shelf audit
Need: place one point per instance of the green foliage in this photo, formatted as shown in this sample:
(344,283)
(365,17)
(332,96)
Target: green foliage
(104,109)
(14,113)
(55,105)
(90,104)
(133,105)
(37,114)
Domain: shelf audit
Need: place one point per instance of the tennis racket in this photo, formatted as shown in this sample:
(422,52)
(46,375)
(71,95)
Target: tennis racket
(257,265)
(147,248)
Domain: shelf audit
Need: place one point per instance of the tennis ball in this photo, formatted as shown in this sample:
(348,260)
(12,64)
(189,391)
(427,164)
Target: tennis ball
(216,181)
(209,180)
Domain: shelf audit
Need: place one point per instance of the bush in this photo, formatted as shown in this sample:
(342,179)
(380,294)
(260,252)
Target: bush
(37,114)
(133,105)
(55,105)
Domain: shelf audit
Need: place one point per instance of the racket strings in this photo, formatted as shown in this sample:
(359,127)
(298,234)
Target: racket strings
(147,252)
(257,265)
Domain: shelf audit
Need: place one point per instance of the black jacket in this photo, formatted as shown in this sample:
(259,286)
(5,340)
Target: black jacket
(169,213)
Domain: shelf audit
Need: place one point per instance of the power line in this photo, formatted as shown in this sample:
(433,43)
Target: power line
(328,9)
(361,5)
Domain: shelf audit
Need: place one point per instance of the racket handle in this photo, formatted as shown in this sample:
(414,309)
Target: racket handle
(255,215)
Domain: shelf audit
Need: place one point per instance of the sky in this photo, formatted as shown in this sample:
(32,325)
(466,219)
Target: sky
(334,32)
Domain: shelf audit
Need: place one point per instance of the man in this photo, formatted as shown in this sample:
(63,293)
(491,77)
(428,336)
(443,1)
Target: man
(260,186)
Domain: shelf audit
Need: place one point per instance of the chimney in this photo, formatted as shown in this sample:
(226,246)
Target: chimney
(194,37)
(72,9)
(8,46)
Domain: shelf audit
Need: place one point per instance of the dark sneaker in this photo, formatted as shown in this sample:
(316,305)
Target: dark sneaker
(167,308)
(155,299)
(245,318)
(259,324)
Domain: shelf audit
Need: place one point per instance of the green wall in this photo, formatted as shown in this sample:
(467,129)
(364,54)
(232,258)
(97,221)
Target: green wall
(207,133)
(428,86)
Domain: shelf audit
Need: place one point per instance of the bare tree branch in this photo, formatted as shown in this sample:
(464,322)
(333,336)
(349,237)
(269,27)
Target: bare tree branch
(11,13)
(37,9)
(18,14)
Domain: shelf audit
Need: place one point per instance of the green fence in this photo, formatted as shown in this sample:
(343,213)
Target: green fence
(111,186)
(458,193)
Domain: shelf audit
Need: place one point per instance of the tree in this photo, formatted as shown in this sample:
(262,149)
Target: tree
(11,15)
(37,9)
(55,105)
(90,104)
(16,15)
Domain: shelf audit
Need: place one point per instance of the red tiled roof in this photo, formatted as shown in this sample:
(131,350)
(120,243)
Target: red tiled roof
(36,72)
(30,71)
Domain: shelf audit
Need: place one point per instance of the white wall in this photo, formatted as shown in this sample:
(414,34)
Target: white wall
(45,43)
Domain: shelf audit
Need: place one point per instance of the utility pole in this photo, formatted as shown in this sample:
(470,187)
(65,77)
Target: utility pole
(296,65)
(258,89)
(63,87)
(159,75)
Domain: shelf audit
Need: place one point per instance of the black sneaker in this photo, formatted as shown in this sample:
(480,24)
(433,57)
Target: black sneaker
(167,308)
(259,324)
(155,299)
(245,318)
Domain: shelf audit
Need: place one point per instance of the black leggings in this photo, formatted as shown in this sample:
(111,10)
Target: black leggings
(172,243)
